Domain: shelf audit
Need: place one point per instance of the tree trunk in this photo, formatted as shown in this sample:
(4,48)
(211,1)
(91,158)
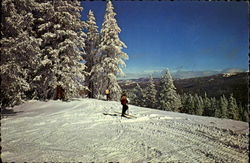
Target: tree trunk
(60,93)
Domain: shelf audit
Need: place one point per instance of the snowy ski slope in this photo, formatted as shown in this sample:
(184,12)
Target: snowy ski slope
(87,130)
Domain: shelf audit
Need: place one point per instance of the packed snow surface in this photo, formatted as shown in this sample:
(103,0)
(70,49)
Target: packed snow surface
(86,130)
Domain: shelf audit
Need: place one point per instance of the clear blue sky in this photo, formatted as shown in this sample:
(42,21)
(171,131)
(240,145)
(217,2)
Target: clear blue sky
(180,35)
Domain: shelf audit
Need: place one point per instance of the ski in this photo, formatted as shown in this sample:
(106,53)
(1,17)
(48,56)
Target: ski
(119,114)
(114,114)
(127,115)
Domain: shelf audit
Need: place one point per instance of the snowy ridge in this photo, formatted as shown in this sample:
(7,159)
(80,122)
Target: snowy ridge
(79,131)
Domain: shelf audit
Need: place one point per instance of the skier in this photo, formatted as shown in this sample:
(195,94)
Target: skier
(124,102)
(107,92)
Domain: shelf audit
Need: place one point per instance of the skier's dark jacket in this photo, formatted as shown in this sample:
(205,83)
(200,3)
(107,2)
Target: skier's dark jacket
(124,100)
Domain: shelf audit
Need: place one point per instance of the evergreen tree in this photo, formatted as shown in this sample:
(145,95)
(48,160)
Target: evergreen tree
(19,50)
(198,105)
(150,94)
(139,99)
(245,116)
(190,104)
(183,98)
(213,107)
(223,105)
(110,55)
(184,102)
(232,108)
(130,96)
(217,111)
(207,105)
(91,45)
(169,99)
(201,105)
(241,112)
(62,69)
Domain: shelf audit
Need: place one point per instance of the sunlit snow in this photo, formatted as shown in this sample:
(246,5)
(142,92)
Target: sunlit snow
(88,130)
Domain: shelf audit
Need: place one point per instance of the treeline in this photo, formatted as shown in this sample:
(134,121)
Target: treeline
(221,107)
(166,98)
(48,52)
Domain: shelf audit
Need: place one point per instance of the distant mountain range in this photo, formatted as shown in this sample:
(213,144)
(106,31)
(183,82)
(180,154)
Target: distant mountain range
(214,85)
(181,74)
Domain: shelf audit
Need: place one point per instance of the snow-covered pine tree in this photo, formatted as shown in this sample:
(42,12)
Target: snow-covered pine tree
(19,51)
(110,54)
(184,102)
(241,112)
(220,107)
(62,73)
(130,96)
(183,98)
(245,116)
(201,105)
(150,94)
(91,45)
(139,99)
(213,107)
(198,105)
(223,104)
(191,104)
(169,99)
(217,111)
(207,105)
(232,108)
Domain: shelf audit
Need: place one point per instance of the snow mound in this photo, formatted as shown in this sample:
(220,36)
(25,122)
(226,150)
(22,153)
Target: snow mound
(86,130)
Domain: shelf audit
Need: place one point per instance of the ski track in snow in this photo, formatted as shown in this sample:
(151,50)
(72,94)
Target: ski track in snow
(79,131)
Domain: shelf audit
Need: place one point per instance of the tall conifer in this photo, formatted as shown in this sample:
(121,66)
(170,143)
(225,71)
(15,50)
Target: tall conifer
(169,99)
(19,50)
(90,56)
(150,94)
(111,57)
(62,70)
(232,108)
